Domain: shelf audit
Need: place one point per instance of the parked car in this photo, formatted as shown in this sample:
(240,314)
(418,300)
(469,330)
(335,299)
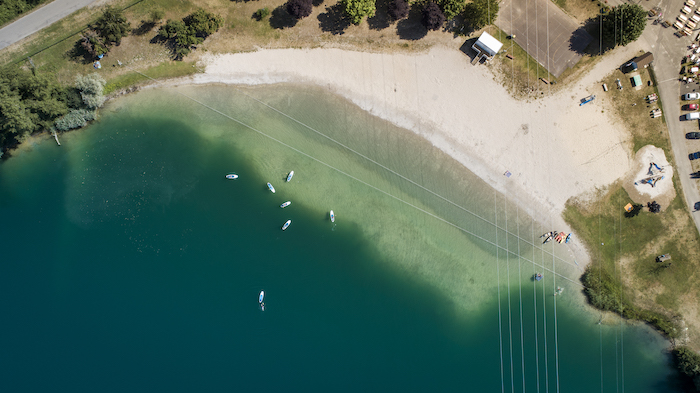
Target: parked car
(691,96)
(690,107)
(628,67)
(692,135)
(694,156)
(692,116)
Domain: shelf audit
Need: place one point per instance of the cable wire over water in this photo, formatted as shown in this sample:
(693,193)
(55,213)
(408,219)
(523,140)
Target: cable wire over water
(474,235)
(494,243)
(533,244)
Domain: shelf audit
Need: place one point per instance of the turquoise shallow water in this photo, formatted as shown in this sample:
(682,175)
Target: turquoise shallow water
(131,264)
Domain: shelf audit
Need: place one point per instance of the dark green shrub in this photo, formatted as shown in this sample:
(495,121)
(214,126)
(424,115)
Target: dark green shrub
(191,31)
(112,26)
(261,14)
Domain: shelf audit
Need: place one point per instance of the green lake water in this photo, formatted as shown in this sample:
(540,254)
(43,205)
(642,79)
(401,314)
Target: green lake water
(131,264)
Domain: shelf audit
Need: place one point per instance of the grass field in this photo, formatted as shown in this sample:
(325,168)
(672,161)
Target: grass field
(633,109)
(522,74)
(624,276)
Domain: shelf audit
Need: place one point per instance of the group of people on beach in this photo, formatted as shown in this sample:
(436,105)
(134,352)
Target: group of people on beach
(560,237)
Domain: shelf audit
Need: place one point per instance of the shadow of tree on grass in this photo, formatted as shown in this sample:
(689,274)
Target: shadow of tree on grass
(144,28)
(381,19)
(334,20)
(636,208)
(280,18)
(78,53)
(412,28)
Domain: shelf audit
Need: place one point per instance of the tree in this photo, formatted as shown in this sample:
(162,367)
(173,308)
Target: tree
(76,118)
(398,9)
(433,18)
(112,25)
(451,8)
(356,10)
(481,13)
(172,28)
(156,15)
(623,24)
(261,13)
(300,8)
(91,89)
(184,42)
(92,44)
(31,102)
(15,119)
(203,23)
(190,31)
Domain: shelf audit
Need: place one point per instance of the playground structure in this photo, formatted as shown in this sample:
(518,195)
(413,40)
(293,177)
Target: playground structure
(655,173)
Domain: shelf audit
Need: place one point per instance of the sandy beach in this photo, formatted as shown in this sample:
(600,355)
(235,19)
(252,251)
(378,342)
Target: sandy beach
(553,148)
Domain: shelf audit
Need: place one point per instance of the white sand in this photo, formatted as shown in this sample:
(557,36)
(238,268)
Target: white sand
(554,148)
(662,191)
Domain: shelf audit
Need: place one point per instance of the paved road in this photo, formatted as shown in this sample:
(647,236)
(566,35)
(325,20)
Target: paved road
(668,51)
(39,19)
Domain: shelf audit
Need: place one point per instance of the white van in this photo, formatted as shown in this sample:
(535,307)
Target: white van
(692,116)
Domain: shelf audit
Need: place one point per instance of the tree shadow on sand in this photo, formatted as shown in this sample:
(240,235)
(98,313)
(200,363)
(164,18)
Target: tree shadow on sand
(412,28)
(381,19)
(280,18)
(334,20)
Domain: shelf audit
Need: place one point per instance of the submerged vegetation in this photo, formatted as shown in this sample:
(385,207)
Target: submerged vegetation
(606,293)
(688,363)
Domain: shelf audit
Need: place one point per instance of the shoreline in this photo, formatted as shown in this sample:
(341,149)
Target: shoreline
(489,132)
(554,149)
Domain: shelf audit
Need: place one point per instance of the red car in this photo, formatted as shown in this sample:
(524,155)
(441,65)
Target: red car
(691,107)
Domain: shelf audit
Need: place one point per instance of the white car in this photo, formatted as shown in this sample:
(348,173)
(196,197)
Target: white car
(691,96)
(692,116)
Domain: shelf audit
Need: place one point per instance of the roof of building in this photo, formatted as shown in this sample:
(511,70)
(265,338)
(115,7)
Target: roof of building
(644,59)
(637,80)
(488,43)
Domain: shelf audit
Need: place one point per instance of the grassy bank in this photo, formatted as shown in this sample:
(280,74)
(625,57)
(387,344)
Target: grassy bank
(519,72)
(624,276)
(167,70)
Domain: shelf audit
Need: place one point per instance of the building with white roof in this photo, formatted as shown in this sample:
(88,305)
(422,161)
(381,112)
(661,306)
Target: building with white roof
(486,46)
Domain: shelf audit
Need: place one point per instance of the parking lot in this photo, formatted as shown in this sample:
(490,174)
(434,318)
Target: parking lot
(535,24)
